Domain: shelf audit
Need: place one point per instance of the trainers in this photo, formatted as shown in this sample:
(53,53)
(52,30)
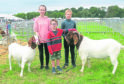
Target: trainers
(53,70)
(74,66)
(59,69)
(65,66)
(46,67)
(41,67)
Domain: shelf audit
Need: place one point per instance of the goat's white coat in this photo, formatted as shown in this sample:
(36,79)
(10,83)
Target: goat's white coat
(99,49)
(22,54)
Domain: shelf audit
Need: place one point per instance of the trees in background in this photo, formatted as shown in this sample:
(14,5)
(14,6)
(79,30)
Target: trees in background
(113,11)
(31,15)
(21,15)
(92,12)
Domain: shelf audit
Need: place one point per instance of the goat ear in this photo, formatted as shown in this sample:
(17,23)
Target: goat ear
(70,33)
(68,42)
(29,42)
(33,38)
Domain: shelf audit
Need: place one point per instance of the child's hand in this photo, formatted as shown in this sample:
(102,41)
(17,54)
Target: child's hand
(73,29)
(51,53)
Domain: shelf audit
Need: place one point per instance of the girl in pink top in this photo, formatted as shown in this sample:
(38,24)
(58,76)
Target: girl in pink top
(41,27)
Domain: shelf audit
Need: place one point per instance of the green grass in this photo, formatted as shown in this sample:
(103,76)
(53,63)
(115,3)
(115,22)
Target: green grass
(100,71)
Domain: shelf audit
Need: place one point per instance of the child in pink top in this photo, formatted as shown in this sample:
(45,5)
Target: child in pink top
(41,27)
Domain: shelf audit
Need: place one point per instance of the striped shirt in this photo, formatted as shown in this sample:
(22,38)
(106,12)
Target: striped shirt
(54,42)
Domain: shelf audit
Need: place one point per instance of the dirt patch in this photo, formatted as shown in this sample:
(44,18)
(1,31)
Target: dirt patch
(4,52)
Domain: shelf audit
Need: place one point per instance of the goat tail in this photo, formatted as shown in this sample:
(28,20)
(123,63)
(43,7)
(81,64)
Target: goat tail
(122,47)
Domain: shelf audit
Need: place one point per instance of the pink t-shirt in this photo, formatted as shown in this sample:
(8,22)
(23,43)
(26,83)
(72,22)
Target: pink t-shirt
(42,26)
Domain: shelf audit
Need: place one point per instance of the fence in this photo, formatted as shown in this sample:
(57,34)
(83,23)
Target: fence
(24,29)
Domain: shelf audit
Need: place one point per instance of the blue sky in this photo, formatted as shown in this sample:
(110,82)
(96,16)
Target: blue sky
(17,6)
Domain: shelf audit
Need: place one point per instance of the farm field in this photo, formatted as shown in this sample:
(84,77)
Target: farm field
(100,71)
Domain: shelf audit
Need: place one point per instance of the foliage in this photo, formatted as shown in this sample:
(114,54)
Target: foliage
(113,11)
(102,12)
(21,15)
(31,15)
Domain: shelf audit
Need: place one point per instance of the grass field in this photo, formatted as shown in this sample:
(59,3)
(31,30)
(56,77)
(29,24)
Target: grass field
(100,71)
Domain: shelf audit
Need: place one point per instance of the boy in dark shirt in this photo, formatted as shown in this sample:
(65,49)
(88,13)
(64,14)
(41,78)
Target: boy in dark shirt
(67,24)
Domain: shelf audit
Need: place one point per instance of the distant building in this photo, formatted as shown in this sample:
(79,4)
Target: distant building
(6,17)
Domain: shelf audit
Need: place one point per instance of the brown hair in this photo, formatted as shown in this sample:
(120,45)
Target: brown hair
(43,6)
(53,20)
(68,10)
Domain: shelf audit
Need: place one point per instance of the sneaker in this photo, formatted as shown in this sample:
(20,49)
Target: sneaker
(41,67)
(65,66)
(74,66)
(59,69)
(47,67)
(53,70)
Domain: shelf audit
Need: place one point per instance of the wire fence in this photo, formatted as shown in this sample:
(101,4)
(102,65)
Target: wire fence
(24,29)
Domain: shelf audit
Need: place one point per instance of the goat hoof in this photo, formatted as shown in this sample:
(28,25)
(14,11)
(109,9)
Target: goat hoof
(113,73)
(10,69)
(81,70)
(21,75)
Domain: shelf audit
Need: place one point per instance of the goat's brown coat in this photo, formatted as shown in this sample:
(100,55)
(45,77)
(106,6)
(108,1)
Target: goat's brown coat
(74,38)
(31,43)
(2,33)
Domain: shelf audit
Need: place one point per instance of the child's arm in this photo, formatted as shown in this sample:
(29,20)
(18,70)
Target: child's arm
(49,44)
(35,27)
(73,29)
(49,28)
(67,30)
(63,27)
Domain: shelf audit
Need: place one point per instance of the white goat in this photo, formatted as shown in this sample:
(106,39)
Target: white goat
(23,54)
(96,48)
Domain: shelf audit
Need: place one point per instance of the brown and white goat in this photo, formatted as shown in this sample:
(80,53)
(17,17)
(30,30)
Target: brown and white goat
(95,48)
(23,54)
(7,38)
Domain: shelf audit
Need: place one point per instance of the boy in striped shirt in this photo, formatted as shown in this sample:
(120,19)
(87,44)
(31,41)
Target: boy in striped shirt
(54,44)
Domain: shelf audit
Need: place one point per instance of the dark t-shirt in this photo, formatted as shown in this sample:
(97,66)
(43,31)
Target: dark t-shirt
(68,24)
